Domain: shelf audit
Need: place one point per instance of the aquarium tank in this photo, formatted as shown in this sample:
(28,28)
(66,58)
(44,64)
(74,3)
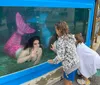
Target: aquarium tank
(40,19)
(31,23)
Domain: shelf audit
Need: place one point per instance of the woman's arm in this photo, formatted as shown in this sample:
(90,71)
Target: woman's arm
(24,56)
(23,59)
(38,57)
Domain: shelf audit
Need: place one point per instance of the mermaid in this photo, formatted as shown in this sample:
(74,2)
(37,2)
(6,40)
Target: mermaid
(14,43)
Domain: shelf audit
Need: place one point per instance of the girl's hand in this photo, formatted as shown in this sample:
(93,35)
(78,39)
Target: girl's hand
(52,47)
(50,61)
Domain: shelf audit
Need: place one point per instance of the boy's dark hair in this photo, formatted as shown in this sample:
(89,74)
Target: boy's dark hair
(53,39)
(79,38)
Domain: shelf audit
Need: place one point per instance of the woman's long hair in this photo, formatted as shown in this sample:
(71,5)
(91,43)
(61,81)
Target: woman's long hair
(29,44)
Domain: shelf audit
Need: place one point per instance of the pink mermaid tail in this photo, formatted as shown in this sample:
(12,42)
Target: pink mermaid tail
(14,43)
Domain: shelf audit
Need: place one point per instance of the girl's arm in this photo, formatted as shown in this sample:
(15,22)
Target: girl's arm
(53,47)
(60,53)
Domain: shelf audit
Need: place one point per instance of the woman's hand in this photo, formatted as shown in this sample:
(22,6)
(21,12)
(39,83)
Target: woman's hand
(50,61)
(33,53)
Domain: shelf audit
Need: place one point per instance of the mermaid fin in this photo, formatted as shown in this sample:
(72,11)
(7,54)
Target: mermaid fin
(22,27)
(14,43)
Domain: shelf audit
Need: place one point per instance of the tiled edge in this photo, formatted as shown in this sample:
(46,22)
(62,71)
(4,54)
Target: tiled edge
(47,79)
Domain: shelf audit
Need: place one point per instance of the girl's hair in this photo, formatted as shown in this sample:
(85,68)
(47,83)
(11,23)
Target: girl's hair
(79,38)
(29,44)
(62,26)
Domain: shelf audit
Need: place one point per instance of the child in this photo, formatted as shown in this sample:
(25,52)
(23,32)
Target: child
(89,60)
(66,52)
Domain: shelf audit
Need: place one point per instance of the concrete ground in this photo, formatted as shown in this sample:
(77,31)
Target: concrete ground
(95,80)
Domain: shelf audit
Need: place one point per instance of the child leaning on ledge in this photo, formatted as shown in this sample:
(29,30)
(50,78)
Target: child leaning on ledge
(89,60)
(66,52)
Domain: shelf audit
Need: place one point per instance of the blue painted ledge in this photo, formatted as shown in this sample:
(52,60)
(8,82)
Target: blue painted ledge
(27,74)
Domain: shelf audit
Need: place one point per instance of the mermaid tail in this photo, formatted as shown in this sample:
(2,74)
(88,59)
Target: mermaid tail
(46,34)
(22,27)
(14,43)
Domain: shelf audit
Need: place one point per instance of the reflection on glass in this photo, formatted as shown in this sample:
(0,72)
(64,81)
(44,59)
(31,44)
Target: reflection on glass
(19,25)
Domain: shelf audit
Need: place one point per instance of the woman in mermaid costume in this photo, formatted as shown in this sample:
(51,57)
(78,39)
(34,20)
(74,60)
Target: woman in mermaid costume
(13,46)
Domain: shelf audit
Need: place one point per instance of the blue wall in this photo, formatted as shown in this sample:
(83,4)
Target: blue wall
(34,72)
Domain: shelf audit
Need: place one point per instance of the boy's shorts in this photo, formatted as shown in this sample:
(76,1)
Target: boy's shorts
(71,76)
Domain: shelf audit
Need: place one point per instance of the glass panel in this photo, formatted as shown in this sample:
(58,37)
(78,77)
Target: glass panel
(17,25)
